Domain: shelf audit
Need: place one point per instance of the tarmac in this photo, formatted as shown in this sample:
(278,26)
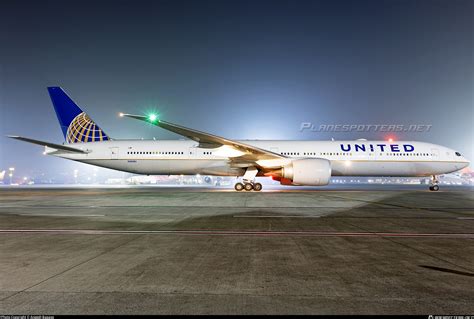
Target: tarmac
(181,250)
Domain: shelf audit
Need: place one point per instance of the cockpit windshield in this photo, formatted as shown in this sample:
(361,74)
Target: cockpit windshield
(458,154)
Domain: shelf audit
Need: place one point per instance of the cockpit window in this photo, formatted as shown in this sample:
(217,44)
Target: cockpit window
(457,154)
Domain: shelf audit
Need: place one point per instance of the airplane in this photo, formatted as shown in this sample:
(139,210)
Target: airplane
(300,163)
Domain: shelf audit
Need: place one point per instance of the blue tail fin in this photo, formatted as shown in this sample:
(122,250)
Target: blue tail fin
(77,127)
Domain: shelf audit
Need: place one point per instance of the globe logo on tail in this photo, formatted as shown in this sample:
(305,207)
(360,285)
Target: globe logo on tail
(83,129)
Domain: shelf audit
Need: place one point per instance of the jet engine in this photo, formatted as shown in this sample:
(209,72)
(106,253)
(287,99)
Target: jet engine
(311,172)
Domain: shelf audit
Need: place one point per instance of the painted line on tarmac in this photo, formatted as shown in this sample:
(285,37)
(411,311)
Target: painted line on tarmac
(58,207)
(59,215)
(380,204)
(394,207)
(276,216)
(235,233)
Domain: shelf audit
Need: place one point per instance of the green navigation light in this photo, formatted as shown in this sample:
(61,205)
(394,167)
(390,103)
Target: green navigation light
(152,117)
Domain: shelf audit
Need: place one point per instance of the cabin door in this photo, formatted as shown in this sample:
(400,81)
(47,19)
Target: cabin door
(114,152)
(435,154)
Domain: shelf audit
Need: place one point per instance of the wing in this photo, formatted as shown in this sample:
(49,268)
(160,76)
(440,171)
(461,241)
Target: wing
(48,144)
(247,155)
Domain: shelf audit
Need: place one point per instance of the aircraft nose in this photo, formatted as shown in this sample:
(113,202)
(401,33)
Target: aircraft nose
(466,162)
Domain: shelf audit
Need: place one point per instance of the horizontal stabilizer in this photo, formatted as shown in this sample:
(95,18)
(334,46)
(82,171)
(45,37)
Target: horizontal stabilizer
(48,144)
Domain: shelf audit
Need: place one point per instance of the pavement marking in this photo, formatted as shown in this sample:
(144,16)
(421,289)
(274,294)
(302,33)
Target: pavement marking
(106,251)
(453,271)
(236,233)
(60,215)
(433,209)
(410,246)
(49,207)
(391,207)
(275,216)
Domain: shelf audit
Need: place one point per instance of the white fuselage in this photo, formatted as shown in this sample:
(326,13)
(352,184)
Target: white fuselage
(347,158)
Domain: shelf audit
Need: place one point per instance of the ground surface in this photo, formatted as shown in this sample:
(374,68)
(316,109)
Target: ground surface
(191,251)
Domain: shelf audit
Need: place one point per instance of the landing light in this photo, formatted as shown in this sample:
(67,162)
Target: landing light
(228,151)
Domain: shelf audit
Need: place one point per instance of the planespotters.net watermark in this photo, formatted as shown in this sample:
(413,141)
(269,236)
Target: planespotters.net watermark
(311,127)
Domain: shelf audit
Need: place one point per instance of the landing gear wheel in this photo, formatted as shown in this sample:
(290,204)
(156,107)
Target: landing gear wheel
(434,184)
(257,187)
(248,187)
(239,186)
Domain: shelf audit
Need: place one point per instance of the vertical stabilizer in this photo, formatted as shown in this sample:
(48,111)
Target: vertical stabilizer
(76,125)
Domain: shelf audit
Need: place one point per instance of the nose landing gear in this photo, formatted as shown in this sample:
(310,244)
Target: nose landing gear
(434,184)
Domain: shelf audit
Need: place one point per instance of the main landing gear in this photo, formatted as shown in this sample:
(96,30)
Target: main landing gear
(434,184)
(249,181)
(248,186)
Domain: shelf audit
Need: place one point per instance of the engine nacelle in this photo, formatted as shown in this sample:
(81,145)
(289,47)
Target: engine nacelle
(311,172)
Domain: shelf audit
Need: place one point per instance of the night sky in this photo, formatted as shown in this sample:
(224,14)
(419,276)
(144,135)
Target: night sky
(239,69)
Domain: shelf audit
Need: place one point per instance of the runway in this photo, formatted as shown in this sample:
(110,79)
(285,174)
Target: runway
(152,250)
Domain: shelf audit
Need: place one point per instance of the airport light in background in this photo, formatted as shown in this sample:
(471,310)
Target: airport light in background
(25,180)
(10,174)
